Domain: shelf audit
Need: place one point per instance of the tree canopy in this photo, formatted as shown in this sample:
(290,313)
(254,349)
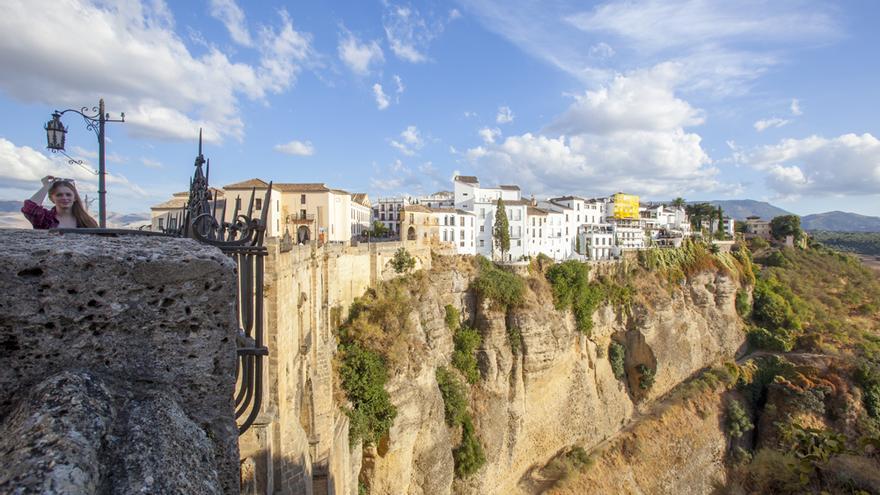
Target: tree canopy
(786,225)
(501,231)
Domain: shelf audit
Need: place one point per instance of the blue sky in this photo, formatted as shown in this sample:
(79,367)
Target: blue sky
(769,100)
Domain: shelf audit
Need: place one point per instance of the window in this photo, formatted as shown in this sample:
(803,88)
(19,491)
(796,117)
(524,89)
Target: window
(259,204)
(277,206)
(482,213)
(482,228)
(519,242)
(302,199)
(161,223)
(482,243)
(461,221)
(302,214)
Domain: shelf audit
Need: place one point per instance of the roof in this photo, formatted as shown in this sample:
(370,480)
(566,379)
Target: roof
(509,187)
(568,198)
(465,212)
(417,209)
(301,187)
(470,179)
(536,211)
(172,204)
(185,194)
(517,202)
(340,191)
(361,198)
(443,193)
(249,184)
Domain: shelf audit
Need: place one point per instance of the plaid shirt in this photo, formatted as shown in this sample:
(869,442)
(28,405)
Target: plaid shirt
(39,217)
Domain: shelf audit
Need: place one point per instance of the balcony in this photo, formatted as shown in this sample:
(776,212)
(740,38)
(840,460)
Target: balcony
(300,218)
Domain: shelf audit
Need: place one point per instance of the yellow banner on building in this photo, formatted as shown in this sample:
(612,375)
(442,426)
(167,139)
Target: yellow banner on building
(626,206)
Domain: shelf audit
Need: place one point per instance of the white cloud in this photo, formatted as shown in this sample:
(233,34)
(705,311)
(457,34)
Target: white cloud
(845,165)
(601,50)
(297,148)
(629,135)
(643,100)
(400,87)
(129,53)
(796,107)
(409,33)
(411,141)
(468,114)
(149,163)
(489,135)
(231,15)
(505,115)
(381,98)
(763,124)
(359,56)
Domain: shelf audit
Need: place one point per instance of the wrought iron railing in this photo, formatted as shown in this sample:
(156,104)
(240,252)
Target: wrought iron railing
(241,238)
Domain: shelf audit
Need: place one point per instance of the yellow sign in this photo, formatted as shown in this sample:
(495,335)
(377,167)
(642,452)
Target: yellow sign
(626,206)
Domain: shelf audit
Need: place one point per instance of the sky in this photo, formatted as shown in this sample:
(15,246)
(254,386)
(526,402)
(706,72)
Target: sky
(769,100)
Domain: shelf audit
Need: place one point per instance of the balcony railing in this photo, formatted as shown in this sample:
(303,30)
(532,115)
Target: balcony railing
(301,218)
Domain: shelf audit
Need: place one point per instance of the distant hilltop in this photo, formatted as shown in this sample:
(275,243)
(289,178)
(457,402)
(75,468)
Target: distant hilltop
(841,221)
(739,209)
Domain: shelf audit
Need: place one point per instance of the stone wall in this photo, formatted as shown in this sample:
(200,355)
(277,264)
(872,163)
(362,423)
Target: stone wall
(119,354)
(299,442)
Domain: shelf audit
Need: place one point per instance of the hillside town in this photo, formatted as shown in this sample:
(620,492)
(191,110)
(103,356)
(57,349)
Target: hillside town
(463,220)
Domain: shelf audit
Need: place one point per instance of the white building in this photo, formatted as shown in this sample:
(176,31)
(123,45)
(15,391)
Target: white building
(388,211)
(597,242)
(361,214)
(482,202)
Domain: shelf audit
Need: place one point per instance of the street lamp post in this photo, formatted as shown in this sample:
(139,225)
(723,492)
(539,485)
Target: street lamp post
(55,134)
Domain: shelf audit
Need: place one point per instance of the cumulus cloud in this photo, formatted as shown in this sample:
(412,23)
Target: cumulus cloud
(629,135)
(129,53)
(844,165)
(796,107)
(504,116)
(410,141)
(297,148)
(358,56)
(381,98)
(763,124)
(231,15)
(489,135)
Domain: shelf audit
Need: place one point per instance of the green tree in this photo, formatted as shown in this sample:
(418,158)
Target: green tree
(379,229)
(501,232)
(678,202)
(784,225)
(577,244)
(402,261)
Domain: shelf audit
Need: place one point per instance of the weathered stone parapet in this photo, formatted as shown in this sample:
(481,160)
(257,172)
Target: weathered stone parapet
(151,321)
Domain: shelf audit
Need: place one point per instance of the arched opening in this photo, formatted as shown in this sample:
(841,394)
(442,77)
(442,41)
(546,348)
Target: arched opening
(411,234)
(303,235)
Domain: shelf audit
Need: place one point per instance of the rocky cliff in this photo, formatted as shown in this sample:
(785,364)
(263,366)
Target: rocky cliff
(543,385)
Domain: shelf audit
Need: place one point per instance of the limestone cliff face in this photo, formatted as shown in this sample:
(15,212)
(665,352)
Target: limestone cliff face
(556,391)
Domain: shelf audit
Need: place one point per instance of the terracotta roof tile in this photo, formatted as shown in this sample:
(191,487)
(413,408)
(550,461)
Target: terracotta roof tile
(248,184)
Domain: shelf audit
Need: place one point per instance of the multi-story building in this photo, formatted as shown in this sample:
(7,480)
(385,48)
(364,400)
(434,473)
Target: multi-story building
(388,211)
(756,227)
(597,242)
(361,214)
(469,196)
(448,228)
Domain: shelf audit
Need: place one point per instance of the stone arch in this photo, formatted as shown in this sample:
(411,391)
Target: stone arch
(303,235)
(411,234)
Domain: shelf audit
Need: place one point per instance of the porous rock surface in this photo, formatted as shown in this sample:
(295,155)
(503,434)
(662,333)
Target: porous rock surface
(558,390)
(117,365)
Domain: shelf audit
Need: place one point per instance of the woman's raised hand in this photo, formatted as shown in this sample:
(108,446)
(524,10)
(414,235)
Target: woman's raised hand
(47,180)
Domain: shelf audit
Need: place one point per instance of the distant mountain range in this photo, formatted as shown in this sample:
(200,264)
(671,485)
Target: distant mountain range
(739,209)
(841,221)
(11,217)
(837,221)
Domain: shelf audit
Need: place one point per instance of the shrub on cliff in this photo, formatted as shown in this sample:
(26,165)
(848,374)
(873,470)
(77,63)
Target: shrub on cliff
(466,341)
(453,317)
(743,304)
(770,308)
(616,355)
(363,376)
(572,289)
(646,376)
(468,456)
(454,396)
(499,286)
(738,421)
(402,262)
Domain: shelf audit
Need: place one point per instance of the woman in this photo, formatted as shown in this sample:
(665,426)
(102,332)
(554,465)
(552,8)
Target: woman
(68,212)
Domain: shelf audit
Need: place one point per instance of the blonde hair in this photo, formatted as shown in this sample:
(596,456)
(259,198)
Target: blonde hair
(83,219)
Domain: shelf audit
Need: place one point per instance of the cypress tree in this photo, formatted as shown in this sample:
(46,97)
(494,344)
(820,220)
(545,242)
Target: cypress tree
(501,231)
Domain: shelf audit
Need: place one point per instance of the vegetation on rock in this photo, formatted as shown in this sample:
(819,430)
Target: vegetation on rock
(497,285)
(616,356)
(738,421)
(466,341)
(363,376)
(402,262)
(468,456)
(501,231)
(454,394)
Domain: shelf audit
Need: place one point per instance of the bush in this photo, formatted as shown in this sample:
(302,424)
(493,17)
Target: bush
(646,378)
(363,376)
(738,421)
(514,339)
(770,308)
(776,258)
(453,317)
(499,286)
(466,341)
(772,471)
(868,379)
(743,304)
(468,456)
(454,394)
(778,340)
(402,261)
(572,289)
(616,355)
